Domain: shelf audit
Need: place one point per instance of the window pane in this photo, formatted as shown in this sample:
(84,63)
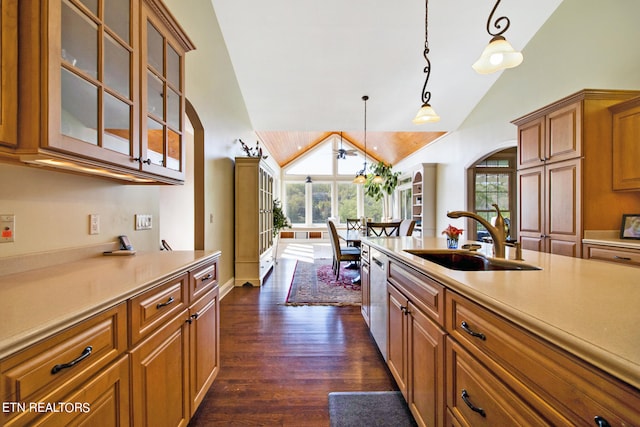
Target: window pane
(347,202)
(294,208)
(350,165)
(319,162)
(373,208)
(321,204)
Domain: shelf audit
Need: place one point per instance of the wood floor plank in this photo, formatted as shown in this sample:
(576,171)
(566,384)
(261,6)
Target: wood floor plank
(279,363)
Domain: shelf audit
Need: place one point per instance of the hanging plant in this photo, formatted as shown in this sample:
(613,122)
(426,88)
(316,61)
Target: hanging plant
(390,181)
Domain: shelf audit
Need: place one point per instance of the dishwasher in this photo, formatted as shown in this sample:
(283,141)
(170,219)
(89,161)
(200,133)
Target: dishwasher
(378,294)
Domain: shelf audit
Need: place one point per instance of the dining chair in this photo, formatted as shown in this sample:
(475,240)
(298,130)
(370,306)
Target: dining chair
(354,224)
(340,253)
(383,229)
(406,227)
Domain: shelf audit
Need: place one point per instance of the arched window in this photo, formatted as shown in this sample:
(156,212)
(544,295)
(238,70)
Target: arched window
(493,180)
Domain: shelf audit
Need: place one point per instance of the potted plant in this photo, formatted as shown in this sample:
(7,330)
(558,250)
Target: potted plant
(385,188)
(280,222)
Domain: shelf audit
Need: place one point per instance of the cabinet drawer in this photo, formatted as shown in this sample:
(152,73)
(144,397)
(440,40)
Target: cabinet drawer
(619,255)
(69,357)
(203,279)
(477,398)
(156,306)
(574,392)
(424,292)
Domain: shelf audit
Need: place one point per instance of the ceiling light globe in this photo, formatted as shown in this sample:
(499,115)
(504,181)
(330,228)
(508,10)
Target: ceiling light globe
(426,114)
(498,55)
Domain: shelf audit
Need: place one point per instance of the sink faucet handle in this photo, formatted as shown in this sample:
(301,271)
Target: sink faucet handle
(518,247)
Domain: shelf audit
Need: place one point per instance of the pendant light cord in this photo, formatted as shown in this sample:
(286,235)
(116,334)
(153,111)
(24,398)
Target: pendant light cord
(497,22)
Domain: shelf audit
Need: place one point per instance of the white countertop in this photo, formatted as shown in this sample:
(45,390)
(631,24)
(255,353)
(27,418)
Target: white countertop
(588,308)
(38,303)
(609,238)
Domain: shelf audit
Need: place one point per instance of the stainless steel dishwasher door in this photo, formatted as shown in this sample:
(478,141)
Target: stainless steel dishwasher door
(379,306)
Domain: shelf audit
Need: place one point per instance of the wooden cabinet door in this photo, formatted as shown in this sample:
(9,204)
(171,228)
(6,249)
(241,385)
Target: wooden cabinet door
(397,339)
(365,281)
(564,133)
(531,143)
(425,369)
(103,400)
(626,146)
(563,219)
(204,346)
(9,67)
(531,190)
(160,376)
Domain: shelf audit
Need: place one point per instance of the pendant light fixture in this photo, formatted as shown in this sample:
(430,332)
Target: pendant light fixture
(499,54)
(426,114)
(361,176)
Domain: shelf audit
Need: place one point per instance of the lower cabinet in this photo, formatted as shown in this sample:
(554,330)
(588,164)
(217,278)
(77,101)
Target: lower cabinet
(416,358)
(173,368)
(615,254)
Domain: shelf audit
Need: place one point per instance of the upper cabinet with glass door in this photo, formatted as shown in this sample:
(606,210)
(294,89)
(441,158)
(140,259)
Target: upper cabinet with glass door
(93,86)
(163,102)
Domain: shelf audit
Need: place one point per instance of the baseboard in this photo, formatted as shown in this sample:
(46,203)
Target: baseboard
(226,288)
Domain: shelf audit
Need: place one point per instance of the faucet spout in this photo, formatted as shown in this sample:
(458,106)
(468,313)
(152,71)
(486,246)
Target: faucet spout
(497,231)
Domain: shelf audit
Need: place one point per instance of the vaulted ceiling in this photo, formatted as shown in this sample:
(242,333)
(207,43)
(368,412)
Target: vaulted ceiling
(303,66)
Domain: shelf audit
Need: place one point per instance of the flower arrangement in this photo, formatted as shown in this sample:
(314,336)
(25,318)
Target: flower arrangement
(452,232)
(252,152)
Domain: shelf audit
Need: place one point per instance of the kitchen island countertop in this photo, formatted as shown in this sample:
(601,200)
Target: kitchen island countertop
(589,308)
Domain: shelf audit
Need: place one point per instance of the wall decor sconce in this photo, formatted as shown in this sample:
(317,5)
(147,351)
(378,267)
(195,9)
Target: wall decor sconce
(426,114)
(499,54)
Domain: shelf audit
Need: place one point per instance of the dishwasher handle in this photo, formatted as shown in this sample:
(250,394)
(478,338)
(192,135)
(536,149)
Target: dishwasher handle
(378,262)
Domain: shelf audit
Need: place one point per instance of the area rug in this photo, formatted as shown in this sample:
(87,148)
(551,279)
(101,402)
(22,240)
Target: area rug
(371,409)
(316,284)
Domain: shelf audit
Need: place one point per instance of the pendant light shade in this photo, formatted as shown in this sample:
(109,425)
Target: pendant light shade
(499,54)
(426,114)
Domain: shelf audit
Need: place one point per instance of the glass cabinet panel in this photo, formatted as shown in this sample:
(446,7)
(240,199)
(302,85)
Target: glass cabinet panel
(155,95)
(96,86)
(117,63)
(79,116)
(116,17)
(155,48)
(173,109)
(155,142)
(79,40)
(173,67)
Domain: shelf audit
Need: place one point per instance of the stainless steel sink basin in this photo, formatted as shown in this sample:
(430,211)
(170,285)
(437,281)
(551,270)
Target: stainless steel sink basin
(468,261)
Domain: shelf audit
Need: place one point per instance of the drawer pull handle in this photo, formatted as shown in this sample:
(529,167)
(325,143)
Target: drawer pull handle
(465,327)
(405,310)
(465,397)
(601,422)
(622,258)
(207,277)
(164,304)
(85,353)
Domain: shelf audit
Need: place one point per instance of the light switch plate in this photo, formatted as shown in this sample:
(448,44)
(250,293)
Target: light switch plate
(144,222)
(94,224)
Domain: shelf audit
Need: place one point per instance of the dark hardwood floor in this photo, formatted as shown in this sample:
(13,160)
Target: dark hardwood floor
(278,363)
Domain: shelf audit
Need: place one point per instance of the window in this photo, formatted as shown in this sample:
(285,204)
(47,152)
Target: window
(493,181)
(331,192)
(321,202)
(347,201)
(295,202)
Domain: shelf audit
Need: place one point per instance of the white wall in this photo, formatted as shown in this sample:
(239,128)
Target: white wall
(584,44)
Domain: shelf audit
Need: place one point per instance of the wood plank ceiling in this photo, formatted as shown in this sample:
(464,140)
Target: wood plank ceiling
(390,147)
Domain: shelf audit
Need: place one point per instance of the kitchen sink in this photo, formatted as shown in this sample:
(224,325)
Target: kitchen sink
(468,261)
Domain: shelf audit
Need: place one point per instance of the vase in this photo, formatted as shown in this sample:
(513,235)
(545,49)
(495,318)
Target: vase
(452,243)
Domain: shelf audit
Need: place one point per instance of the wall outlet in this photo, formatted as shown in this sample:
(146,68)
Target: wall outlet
(94,224)
(144,222)
(7,228)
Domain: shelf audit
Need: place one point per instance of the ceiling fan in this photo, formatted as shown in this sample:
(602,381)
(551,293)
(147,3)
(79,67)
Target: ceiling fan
(341,153)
